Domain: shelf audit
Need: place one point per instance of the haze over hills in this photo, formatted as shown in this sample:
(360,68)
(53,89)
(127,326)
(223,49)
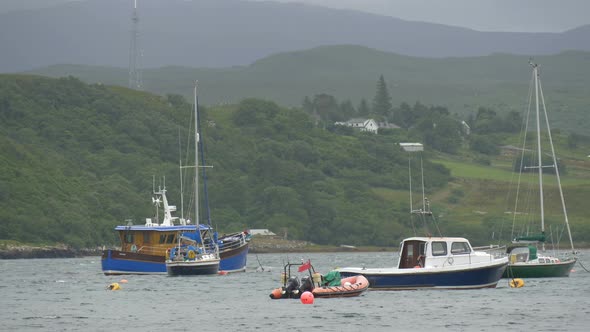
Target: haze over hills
(221,33)
(350,73)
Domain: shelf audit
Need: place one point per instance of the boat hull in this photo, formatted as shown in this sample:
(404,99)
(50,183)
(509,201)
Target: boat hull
(349,287)
(116,262)
(459,278)
(192,268)
(539,270)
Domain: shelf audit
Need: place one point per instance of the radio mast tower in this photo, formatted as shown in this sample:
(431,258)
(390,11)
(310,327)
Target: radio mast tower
(135,53)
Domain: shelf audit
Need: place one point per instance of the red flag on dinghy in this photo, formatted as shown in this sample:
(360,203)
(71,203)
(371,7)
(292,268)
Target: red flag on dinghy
(305,266)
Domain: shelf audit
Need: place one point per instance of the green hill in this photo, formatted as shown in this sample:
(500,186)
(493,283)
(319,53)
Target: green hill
(349,73)
(78,159)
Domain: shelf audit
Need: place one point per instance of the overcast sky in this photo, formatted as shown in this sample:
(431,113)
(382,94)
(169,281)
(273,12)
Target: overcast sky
(483,15)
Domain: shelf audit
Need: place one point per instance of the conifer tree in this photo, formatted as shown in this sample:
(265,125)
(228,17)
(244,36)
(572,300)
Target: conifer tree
(382,101)
(363,109)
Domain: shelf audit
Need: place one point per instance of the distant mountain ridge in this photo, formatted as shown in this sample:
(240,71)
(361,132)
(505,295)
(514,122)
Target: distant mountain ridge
(221,33)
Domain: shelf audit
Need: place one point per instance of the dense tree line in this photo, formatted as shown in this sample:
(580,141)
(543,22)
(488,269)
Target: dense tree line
(432,125)
(79,159)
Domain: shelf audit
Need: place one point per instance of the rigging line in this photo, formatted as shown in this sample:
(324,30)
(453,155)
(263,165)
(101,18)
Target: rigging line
(523,126)
(202,151)
(411,206)
(585,269)
(556,166)
(524,136)
(435,222)
(261,267)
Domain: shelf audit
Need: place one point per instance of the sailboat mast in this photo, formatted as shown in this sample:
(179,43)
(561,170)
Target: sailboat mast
(196,162)
(539,155)
(181,190)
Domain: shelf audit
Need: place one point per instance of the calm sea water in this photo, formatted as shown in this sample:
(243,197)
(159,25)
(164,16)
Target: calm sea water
(71,295)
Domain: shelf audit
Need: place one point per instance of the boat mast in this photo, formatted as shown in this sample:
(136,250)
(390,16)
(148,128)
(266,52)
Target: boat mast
(196,163)
(180,170)
(555,165)
(539,155)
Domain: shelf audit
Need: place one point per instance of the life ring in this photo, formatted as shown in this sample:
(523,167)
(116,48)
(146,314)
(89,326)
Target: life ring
(450,260)
(191,254)
(516,283)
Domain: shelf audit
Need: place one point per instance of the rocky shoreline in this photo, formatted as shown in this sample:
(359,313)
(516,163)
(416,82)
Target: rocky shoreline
(62,251)
(258,245)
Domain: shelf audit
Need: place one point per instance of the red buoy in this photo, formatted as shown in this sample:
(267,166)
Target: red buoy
(307,298)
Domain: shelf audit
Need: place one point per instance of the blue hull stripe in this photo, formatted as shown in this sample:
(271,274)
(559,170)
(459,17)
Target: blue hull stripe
(233,261)
(475,278)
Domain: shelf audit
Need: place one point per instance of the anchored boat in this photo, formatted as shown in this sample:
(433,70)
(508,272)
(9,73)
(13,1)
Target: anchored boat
(433,262)
(525,261)
(144,248)
(330,285)
(204,258)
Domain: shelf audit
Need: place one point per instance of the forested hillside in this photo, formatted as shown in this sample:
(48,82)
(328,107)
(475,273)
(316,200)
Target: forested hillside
(462,85)
(78,159)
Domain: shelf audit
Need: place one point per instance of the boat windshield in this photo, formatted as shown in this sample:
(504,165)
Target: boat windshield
(439,248)
(458,248)
(519,255)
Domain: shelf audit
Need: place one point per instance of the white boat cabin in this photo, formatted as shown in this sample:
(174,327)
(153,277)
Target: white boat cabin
(436,252)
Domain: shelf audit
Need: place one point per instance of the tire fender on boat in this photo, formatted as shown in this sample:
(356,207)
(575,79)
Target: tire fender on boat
(516,283)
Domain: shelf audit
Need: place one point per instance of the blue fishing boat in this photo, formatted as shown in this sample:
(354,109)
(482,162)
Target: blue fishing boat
(146,249)
(143,248)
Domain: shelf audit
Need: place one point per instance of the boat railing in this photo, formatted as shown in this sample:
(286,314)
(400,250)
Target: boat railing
(151,250)
(232,243)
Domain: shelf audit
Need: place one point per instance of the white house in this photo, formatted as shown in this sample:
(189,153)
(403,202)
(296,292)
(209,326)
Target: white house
(261,231)
(466,128)
(369,125)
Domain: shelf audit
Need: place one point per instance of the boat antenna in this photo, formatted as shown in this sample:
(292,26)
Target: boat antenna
(416,147)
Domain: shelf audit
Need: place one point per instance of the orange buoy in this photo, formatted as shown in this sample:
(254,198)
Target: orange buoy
(307,298)
(222,273)
(123,281)
(276,293)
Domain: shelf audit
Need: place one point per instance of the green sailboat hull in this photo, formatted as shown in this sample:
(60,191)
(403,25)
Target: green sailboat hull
(539,270)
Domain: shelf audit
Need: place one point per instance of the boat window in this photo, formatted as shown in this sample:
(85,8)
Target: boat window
(162,238)
(460,248)
(410,252)
(541,260)
(423,248)
(439,248)
(146,237)
(170,238)
(129,238)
